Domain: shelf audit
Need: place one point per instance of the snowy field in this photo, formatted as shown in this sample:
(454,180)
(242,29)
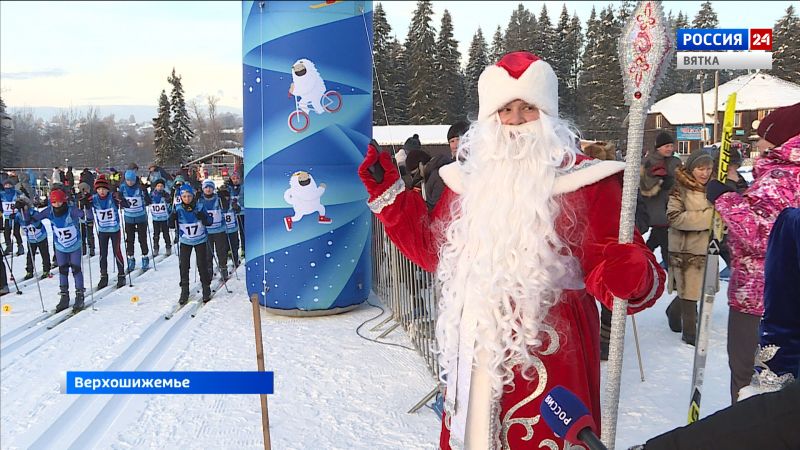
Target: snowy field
(333,390)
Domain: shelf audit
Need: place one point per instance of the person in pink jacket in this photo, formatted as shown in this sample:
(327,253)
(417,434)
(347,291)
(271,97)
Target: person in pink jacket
(749,218)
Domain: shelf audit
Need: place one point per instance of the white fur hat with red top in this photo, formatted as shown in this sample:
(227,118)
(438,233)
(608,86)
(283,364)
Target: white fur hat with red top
(518,75)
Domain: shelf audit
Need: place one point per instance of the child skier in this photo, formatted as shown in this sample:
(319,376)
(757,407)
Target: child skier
(191,219)
(9,196)
(135,215)
(231,224)
(65,221)
(105,210)
(217,237)
(237,198)
(36,235)
(160,208)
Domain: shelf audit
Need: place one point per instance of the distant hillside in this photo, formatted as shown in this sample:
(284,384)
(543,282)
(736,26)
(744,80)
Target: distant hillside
(142,113)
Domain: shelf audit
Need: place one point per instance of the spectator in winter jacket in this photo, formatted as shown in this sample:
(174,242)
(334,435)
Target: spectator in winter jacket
(689,214)
(87,177)
(434,186)
(749,218)
(69,180)
(157,173)
(114,178)
(657,179)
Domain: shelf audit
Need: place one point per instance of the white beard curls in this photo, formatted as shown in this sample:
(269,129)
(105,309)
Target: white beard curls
(502,262)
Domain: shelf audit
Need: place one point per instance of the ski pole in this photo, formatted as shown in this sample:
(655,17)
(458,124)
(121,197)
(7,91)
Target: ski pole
(224,283)
(125,236)
(638,352)
(152,247)
(91,281)
(235,257)
(36,275)
(12,274)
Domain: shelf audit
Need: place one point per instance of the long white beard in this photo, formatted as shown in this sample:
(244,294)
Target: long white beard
(502,261)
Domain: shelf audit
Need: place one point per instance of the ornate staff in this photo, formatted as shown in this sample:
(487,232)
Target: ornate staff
(645,48)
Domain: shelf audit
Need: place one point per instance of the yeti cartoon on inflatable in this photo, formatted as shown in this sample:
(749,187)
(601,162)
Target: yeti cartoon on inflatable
(304,196)
(307,85)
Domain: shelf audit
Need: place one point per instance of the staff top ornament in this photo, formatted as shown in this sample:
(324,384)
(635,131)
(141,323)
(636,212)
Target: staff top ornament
(645,48)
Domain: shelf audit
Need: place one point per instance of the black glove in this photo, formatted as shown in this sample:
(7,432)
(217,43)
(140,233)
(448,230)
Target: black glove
(201,215)
(19,204)
(715,188)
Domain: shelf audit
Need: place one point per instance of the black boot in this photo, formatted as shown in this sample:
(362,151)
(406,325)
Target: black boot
(206,293)
(689,318)
(20,250)
(674,315)
(91,251)
(63,302)
(184,299)
(8,250)
(120,281)
(224,273)
(28,275)
(78,300)
(103,281)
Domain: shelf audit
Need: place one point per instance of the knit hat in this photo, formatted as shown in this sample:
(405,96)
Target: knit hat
(186,187)
(84,188)
(58,196)
(412,144)
(101,182)
(518,75)
(457,129)
(698,158)
(130,175)
(8,181)
(159,181)
(414,158)
(780,125)
(664,138)
(209,183)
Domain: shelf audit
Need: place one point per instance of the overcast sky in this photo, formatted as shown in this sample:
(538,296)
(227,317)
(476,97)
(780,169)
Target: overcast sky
(120,53)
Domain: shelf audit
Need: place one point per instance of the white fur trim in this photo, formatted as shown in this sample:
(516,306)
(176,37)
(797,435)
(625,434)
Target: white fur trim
(583,174)
(538,85)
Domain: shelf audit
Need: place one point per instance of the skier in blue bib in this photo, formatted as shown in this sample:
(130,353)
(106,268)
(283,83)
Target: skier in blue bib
(36,236)
(237,198)
(191,219)
(160,209)
(135,215)
(9,196)
(105,210)
(217,236)
(231,224)
(65,221)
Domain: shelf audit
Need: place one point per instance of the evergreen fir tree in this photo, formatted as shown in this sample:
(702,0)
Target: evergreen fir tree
(422,76)
(706,17)
(786,47)
(162,134)
(398,78)
(519,33)
(605,108)
(181,130)
(544,39)
(450,86)
(588,86)
(498,46)
(382,87)
(8,157)
(568,46)
(478,60)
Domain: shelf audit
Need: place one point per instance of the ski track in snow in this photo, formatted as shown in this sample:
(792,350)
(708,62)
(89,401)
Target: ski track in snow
(333,390)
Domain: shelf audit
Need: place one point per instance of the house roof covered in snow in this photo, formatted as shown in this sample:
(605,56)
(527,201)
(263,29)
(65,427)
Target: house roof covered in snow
(237,152)
(753,92)
(397,134)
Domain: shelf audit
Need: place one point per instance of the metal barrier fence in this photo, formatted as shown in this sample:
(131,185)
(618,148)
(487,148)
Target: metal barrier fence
(409,292)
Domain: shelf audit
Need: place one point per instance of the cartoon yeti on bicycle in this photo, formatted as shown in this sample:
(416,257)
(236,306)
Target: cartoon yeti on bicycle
(308,89)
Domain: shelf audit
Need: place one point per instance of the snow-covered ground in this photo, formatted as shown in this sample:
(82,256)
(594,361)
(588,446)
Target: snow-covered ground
(333,390)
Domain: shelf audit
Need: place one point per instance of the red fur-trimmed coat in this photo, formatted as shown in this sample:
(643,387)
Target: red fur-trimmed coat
(571,355)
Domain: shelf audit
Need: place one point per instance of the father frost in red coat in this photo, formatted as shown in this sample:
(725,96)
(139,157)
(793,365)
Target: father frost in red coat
(523,240)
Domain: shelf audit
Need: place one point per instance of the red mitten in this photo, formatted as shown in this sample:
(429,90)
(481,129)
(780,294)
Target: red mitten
(627,271)
(390,176)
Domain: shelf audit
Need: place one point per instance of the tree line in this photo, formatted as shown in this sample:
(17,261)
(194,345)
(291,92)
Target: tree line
(422,81)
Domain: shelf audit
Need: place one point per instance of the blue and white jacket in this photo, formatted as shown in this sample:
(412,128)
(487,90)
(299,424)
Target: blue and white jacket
(213,207)
(138,199)
(191,230)
(34,229)
(105,212)
(9,198)
(66,227)
(160,206)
